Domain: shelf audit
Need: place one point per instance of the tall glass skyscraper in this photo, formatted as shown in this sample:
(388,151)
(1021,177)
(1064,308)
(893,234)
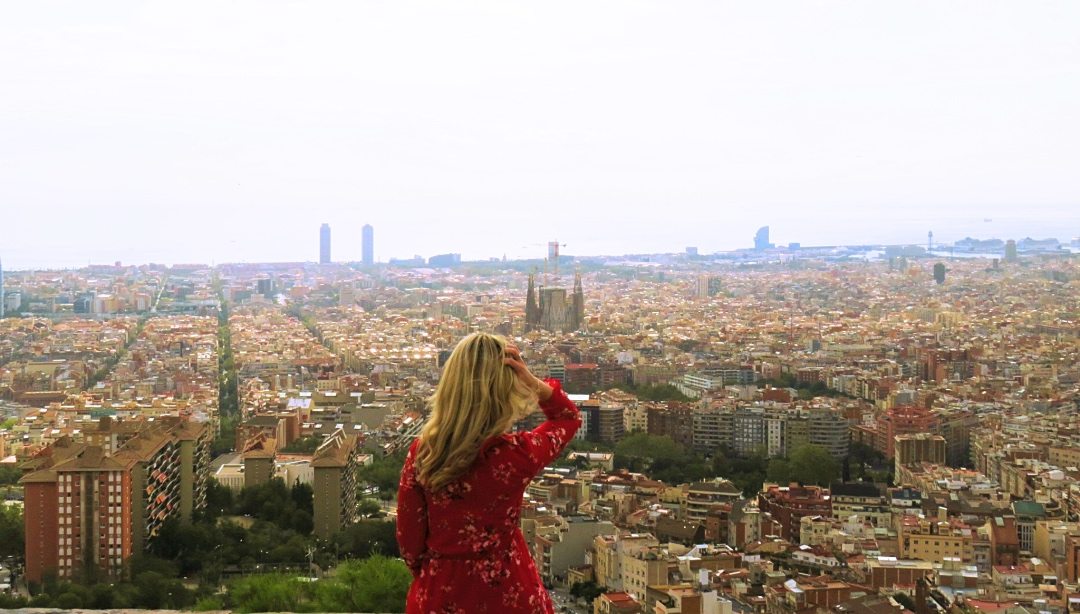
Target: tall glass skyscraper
(324,244)
(368,245)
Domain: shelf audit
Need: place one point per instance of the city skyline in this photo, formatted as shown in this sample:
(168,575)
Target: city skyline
(304,245)
(222,134)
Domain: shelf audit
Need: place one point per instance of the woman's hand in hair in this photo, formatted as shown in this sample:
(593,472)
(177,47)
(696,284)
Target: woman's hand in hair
(514,360)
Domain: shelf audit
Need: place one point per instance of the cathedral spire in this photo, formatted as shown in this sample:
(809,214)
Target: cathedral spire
(532,311)
(577,317)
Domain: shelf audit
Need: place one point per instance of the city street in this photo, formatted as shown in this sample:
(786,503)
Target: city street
(565,603)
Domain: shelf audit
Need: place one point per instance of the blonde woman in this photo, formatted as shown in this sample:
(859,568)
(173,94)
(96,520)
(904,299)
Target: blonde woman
(460,494)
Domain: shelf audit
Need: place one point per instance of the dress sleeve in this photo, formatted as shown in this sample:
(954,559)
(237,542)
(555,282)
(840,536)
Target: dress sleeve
(412,522)
(530,451)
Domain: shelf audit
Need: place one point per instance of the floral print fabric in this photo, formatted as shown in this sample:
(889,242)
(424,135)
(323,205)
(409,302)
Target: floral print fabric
(464,544)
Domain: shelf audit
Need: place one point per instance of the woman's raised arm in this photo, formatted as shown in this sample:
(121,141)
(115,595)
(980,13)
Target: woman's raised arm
(530,451)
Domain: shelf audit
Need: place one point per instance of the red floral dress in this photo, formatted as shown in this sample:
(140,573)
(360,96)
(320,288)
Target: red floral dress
(464,544)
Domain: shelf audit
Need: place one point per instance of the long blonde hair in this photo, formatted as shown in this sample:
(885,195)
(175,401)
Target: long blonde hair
(478,396)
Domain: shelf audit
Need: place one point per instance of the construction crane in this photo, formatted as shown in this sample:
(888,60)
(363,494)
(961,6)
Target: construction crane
(553,254)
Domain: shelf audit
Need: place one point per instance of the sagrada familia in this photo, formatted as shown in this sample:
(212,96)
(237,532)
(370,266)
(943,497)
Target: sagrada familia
(553,312)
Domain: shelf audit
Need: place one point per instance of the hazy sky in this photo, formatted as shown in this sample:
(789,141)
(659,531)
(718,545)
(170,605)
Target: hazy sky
(230,130)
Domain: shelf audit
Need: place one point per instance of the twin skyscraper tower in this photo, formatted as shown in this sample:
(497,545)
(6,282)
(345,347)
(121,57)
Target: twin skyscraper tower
(367,245)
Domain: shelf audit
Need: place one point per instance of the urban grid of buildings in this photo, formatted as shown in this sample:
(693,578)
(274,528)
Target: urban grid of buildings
(966,388)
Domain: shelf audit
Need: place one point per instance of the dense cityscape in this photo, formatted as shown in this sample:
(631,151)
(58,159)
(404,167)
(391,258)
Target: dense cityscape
(867,429)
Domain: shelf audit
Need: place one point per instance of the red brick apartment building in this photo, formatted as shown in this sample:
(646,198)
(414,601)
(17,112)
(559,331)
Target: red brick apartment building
(900,420)
(789,504)
(88,508)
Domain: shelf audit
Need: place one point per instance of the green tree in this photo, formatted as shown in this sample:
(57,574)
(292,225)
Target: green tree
(156,591)
(374,584)
(779,471)
(640,451)
(12,531)
(811,464)
(228,387)
(291,551)
(125,596)
(721,464)
(141,562)
(12,602)
(662,459)
(303,495)
(302,521)
(184,543)
(101,596)
(865,458)
(68,601)
(939,273)
(749,472)
(368,507)
(219,500)
(210,603)
(225,440)
(367,537)
(40,601)
(384,473)
(268,593)
(305,445)
(273,501)
(587,591)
